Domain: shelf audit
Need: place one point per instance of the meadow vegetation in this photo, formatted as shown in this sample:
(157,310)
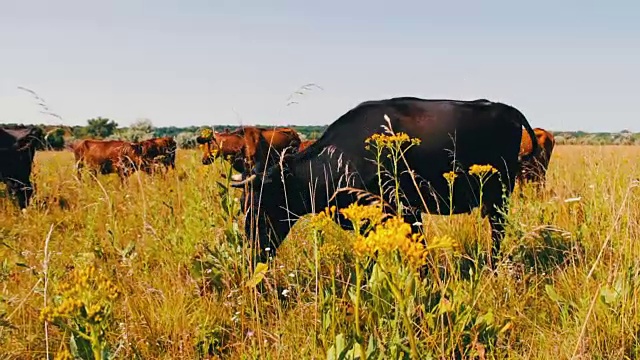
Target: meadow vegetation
(157,269)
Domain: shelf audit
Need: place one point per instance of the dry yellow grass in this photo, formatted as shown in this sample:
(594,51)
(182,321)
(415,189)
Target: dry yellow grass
(570,287)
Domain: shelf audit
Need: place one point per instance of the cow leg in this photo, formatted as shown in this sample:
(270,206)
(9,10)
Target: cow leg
(123,173)
(497,223)
(22,191)
(495,207)
(79,166)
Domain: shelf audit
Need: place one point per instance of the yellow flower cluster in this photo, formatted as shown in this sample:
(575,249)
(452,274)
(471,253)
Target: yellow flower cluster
(324,218)
(357,214)
(450,176)
(66,308)
(383,140)
(481,170)
(394,234)
(95,313)
(83,296)
(206,133)
(330,253)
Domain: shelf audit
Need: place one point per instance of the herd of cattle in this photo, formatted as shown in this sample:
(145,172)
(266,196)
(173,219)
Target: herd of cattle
(282,175)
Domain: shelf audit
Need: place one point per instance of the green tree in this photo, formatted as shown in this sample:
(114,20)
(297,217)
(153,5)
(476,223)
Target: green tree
(101,127)
(55,139)
(186,140)
(141,129)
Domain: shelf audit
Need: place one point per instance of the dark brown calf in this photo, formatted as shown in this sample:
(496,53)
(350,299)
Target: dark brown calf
(159,151)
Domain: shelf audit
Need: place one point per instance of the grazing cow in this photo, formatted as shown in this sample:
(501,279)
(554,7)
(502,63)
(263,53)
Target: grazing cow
(108,156)
(17,149)
(159,151)
(305,144)
(453,136)
(535,169)
(245,146)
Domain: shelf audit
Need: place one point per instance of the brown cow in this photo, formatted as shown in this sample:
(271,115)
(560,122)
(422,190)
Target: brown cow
(534,169)
(108,156)
(305,144)
(159,151)
(241,146)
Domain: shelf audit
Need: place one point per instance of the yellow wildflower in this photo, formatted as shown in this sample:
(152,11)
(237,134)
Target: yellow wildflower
(450,176)
(394,234)
(323,218)
(481,170)
(362,247)
(360,213)
(206,133)
(330,253)
(384,140)
(90,286)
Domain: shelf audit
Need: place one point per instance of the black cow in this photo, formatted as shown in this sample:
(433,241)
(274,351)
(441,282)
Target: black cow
(17,149)
(460,133)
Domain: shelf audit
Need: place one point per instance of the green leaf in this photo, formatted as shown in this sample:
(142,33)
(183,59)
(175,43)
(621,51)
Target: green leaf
(4,322)
(80,348)
(553,295)
(258,275)
(129,249)
(336,350)
(609,295)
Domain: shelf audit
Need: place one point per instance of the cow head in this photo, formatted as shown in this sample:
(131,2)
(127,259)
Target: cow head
(271,206)
(229,145)
(132,158)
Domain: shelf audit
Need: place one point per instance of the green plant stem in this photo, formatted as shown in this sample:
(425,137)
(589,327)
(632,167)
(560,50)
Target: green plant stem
(356,307)
(403,313)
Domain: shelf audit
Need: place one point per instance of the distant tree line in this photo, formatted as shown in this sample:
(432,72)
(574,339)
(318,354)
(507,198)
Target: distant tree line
(56,137)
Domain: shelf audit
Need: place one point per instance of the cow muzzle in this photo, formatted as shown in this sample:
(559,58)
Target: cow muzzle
(207,160)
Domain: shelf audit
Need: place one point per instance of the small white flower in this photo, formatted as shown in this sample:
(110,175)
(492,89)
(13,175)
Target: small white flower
(267,249)
(292,275)
(285,292)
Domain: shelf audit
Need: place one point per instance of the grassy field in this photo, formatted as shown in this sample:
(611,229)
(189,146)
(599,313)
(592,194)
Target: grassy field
(157,269)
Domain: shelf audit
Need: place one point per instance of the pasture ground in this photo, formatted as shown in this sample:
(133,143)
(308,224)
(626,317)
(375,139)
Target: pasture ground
(171,249)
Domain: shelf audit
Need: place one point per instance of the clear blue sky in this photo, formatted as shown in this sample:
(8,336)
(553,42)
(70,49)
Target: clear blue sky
(567,65)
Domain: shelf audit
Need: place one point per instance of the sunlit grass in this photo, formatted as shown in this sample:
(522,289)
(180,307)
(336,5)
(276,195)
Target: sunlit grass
(173,246)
